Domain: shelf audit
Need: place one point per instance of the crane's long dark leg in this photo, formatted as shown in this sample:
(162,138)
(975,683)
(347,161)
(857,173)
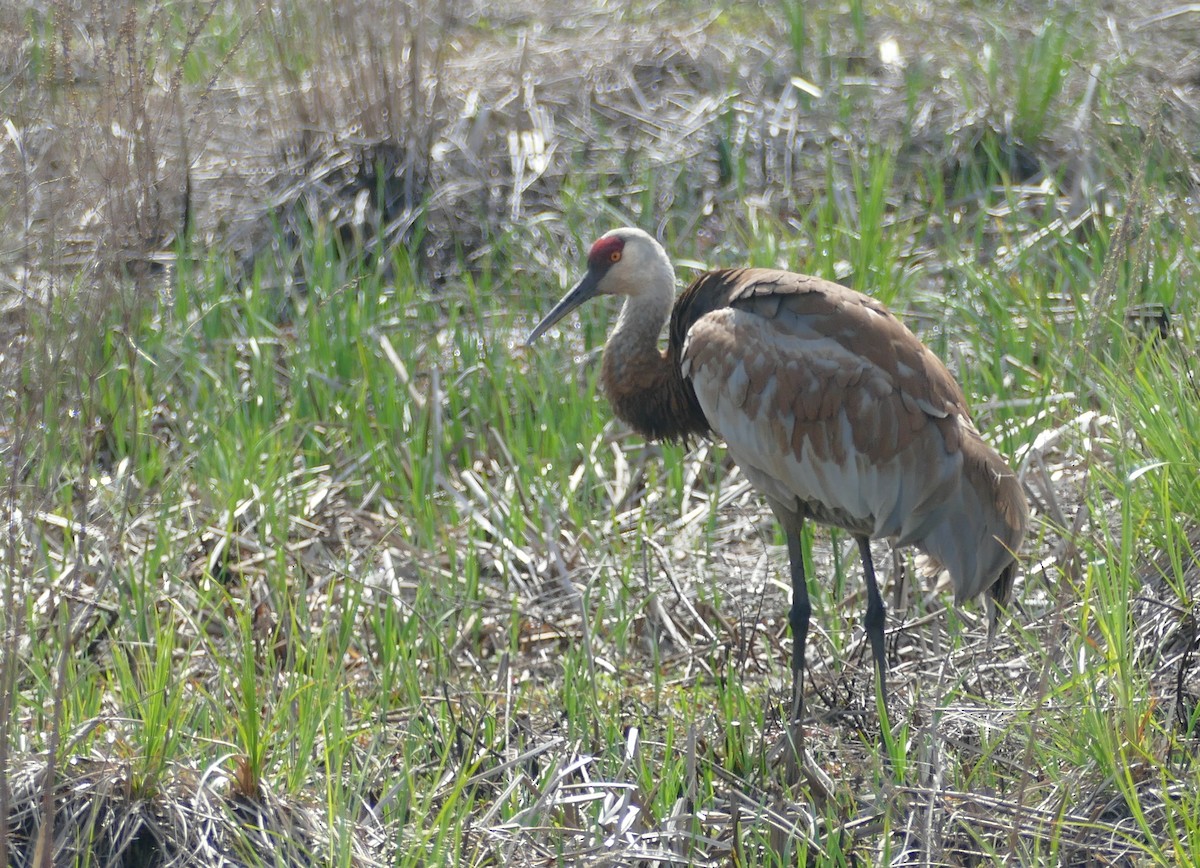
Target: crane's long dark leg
(798,618)
(875,615)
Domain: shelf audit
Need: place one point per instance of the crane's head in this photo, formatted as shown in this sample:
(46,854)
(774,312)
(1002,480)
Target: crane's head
(626,262)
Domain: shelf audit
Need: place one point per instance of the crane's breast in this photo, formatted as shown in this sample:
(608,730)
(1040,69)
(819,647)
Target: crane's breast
(839,433)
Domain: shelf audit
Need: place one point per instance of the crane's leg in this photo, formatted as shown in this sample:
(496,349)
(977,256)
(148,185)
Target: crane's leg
(798,619)
(875,615)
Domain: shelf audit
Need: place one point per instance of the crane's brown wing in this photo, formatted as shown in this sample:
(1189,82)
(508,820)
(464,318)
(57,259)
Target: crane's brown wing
(835,410)
(824,398)
(824,342)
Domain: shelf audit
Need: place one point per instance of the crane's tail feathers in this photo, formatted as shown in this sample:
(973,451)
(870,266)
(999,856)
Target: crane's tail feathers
(999,596)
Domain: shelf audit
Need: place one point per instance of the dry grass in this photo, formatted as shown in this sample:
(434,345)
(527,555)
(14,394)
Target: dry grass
(462,142)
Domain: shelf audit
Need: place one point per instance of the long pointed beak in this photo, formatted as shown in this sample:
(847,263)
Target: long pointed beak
(583,290)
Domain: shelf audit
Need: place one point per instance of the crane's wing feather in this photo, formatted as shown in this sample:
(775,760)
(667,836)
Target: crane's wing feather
(837,412)
(824,397)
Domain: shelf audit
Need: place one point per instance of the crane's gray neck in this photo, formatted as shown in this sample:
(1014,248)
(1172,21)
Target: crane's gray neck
(644,384)
(649,295)
(640,323)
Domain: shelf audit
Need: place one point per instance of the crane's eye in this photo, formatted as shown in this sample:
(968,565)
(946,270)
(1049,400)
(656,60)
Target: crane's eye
(615,256)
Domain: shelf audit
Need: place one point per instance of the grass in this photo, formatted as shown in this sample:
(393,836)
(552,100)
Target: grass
(308,559)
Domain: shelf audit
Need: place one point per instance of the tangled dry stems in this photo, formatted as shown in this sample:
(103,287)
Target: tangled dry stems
(462,143)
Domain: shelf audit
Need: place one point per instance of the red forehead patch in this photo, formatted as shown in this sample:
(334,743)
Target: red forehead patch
(602,251)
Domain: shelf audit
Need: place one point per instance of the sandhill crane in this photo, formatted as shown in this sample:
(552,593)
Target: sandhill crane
(830,406)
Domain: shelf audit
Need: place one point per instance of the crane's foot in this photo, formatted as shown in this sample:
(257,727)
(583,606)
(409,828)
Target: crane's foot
(794,733)
(790,750)
(798,764)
